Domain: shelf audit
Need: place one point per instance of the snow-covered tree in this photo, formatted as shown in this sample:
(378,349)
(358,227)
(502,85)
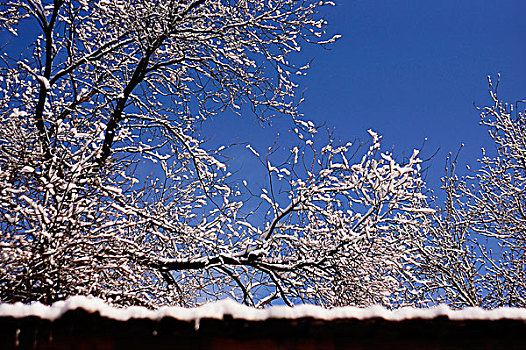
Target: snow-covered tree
(108,189)
(475,254)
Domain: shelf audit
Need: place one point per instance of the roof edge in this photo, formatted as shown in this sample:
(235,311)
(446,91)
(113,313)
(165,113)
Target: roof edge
(219,309)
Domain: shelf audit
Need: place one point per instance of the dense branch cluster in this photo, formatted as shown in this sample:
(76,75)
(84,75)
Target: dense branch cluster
(476,248)
(107,189)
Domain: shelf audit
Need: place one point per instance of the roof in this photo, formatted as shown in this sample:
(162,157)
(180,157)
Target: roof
(228,325)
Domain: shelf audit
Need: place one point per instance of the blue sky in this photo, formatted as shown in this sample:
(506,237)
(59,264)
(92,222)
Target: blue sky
(410,70)
(413,69)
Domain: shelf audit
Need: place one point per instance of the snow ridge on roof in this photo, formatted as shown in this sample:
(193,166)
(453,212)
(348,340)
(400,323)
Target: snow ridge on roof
(218,309)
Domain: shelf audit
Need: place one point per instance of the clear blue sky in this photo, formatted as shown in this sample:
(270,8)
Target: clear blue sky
(411,70)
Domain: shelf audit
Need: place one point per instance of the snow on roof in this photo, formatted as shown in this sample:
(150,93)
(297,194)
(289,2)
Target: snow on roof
(218,309)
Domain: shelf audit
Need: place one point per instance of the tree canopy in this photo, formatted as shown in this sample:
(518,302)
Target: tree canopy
(108,188)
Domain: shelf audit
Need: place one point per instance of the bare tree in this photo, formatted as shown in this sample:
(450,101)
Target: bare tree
(475,255)
(107,188)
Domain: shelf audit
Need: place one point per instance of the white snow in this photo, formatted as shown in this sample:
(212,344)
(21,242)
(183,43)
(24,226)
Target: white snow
(44,81)
(218,309)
